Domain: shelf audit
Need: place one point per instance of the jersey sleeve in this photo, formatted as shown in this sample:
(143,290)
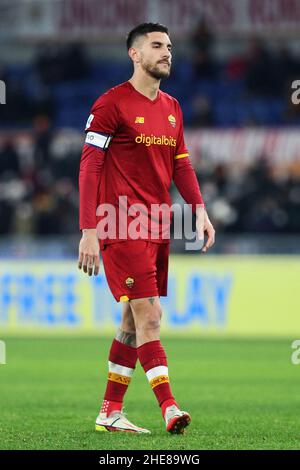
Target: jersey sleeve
(90,171)
(103,121)
(181,148)
(100,128)
(184,175)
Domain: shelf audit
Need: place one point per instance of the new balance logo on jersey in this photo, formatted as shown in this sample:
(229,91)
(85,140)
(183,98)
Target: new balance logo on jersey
(139,120)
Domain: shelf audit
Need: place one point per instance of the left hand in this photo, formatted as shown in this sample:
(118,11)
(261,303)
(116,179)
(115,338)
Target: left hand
(204,226)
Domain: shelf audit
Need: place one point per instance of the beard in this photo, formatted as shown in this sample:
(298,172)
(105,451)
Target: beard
(155,71)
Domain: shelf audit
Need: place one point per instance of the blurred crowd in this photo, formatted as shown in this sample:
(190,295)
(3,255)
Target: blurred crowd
(39,191)
(249,88)
(258,199)
(258,80)
(38,185)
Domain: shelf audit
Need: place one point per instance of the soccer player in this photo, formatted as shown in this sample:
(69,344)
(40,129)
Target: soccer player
(135,147)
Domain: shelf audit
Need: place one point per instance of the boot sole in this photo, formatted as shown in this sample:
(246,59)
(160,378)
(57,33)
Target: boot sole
(178,424)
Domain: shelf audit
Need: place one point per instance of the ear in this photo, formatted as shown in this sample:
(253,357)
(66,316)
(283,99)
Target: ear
(134,55)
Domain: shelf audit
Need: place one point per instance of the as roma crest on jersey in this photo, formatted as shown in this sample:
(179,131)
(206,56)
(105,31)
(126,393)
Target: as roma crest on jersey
(129,282)
(172,120)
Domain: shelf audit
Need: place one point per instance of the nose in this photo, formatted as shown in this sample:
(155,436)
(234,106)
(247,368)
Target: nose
(167,55)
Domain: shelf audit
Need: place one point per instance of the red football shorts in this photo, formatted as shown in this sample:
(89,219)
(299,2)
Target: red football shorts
(136,268)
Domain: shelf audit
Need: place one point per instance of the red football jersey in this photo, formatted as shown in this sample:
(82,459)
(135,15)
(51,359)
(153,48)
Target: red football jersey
(134,148)
(142,140)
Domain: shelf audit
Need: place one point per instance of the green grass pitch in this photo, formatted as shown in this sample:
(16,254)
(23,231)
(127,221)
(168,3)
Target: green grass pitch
(242,394)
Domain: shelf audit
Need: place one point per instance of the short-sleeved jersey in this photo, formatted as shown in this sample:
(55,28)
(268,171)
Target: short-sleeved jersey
(141,138)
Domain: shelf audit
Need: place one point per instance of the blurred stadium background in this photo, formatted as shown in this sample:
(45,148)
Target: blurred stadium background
(233,67)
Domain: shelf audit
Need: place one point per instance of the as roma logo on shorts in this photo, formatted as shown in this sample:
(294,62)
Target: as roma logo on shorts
(172,120)
(129,282)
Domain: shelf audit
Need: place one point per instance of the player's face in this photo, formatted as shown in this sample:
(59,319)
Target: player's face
(155,55)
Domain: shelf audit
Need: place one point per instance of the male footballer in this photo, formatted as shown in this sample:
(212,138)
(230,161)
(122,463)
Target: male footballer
(133,150)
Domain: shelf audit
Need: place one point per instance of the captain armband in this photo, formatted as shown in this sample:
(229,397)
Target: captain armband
(101,141)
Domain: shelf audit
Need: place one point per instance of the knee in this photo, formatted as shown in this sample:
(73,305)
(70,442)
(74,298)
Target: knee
(149,319)
(156,318)
(151,324)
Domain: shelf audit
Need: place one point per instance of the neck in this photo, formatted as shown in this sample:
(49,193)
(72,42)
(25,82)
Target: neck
(145,85)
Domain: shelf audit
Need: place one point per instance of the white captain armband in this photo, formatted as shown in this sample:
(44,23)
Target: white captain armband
(98,140)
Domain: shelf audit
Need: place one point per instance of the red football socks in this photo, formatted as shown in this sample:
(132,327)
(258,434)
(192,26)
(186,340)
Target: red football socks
(153,359)
(121,365)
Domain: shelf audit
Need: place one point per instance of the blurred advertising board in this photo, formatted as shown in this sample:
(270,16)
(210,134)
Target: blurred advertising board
(208,295)
(111,19)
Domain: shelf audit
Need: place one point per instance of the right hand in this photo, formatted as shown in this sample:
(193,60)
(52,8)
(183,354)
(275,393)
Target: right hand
(89,258)
(204,226)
